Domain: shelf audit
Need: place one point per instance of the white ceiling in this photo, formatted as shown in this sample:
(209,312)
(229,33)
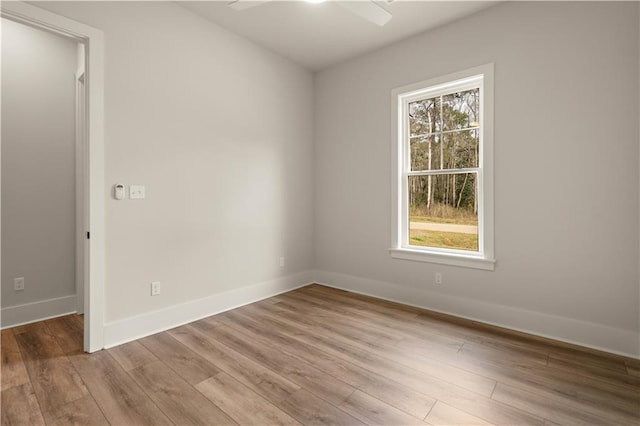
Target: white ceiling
(320,35)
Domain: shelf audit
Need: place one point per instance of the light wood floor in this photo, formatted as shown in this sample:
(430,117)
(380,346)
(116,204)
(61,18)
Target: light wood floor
(314,356)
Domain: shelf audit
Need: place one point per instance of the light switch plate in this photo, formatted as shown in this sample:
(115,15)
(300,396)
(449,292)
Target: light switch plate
(136,192)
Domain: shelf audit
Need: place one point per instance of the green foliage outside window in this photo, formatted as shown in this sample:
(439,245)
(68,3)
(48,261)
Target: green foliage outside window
(444,135)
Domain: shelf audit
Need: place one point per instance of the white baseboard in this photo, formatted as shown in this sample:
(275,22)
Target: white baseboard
(12,316)
(128,329)
(597,336)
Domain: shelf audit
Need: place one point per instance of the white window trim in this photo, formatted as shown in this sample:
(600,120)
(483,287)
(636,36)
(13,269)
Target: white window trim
(484,258)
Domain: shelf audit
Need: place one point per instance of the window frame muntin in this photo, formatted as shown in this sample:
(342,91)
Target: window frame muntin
(481,77)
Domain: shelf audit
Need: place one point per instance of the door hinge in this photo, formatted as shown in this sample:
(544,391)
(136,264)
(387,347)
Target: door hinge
(88,235)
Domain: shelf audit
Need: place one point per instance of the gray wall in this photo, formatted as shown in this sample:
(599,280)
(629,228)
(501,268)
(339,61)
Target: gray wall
(220,132)
(226,199)
(38,164)
(566,170)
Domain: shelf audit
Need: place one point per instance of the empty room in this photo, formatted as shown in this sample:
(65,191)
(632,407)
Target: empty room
(319,212)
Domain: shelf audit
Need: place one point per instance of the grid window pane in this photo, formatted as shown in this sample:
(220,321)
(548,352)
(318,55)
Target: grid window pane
(461,149)
(460,110)
(424,117)
(426,153)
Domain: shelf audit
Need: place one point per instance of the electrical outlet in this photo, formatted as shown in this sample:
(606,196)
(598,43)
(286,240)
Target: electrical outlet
(155,288)
(18,284)
(282,262)
(438,278)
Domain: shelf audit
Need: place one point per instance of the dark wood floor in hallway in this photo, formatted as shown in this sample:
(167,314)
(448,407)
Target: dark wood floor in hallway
(314,356)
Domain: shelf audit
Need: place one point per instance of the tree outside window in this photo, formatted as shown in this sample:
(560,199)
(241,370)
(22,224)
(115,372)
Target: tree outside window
(443,170)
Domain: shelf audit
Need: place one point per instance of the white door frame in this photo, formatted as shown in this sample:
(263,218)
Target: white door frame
(82,184)
(93,40)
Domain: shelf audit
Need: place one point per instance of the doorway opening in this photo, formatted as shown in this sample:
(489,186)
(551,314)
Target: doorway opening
(88,168)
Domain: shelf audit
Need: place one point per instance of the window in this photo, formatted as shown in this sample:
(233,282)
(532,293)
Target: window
(443,170)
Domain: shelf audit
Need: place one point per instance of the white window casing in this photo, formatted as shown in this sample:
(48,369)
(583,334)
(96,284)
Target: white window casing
(479,77)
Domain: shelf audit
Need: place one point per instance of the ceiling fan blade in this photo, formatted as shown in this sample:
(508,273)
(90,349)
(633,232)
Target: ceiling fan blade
(368,10)
(246,4)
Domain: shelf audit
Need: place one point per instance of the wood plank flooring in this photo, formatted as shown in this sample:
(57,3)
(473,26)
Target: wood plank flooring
(314,356)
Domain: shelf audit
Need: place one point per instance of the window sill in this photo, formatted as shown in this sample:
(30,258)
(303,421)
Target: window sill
(466,261)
